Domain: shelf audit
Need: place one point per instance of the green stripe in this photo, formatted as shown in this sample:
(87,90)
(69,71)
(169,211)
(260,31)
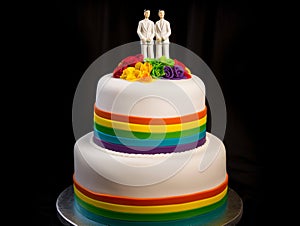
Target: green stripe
(149,217)
(145,135)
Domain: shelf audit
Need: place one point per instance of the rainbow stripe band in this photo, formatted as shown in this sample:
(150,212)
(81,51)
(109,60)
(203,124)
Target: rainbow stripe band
(158,209)
(93,205)
(138,135)
(124,200)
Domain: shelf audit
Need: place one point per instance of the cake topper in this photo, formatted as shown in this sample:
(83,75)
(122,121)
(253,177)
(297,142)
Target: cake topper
(146,32)
(162,33)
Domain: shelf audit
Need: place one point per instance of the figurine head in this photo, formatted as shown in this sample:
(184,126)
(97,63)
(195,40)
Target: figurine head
(161,13)
(147,13)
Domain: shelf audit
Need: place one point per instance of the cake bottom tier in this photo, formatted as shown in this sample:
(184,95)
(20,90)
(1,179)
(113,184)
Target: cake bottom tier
(118,189)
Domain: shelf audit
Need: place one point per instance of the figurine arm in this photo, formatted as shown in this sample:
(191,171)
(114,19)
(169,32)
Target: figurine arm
(168,29)
(139,32)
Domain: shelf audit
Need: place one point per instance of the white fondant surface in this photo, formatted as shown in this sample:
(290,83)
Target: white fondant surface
(160,175)
(159,98)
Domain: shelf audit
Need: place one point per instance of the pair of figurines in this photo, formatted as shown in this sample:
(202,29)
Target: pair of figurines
(161,30)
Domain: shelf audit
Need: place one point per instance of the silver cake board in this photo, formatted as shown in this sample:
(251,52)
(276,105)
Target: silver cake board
(68,215)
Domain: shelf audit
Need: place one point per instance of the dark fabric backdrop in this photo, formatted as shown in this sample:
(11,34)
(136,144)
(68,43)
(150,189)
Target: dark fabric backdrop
(60,39)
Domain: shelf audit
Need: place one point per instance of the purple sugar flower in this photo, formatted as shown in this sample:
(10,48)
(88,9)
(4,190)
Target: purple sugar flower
(178,71)
(169,73)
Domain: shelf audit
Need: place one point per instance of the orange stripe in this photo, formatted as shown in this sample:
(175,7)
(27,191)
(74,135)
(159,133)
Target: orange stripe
(148,121)
(123,200)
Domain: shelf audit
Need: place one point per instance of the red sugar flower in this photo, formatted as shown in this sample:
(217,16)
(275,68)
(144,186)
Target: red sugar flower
(129,61)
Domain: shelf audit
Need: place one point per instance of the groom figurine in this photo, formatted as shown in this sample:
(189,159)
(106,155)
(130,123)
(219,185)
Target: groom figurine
(162,33)
(146,33)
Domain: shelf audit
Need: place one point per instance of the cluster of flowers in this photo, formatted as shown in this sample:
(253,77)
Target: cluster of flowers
(136,68)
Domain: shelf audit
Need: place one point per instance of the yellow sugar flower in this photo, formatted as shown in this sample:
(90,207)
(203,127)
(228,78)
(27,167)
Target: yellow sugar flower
(146,67)
(131,77)
(128,73)
(138,65)
(140,71)
(137,73)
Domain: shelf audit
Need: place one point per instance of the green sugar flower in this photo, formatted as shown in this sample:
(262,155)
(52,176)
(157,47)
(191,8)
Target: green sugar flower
(158,65)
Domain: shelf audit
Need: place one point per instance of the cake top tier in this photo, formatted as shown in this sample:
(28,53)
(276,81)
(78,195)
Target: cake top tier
(138,68)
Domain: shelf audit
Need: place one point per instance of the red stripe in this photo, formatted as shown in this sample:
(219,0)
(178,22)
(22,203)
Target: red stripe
(150,121)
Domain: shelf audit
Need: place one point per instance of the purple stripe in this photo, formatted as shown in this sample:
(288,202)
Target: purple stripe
(148,150)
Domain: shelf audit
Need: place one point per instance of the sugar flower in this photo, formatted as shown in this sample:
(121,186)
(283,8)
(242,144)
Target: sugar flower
(136,68)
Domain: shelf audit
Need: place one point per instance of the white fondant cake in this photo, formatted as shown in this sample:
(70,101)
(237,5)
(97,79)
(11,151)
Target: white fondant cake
(149,158)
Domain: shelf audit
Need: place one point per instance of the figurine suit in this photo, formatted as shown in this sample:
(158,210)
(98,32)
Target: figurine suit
(146,32)
(162,32)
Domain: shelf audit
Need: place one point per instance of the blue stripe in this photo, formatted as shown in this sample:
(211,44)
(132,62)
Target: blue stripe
(148,142)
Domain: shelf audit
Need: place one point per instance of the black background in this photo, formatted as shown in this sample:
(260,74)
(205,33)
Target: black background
(54,42)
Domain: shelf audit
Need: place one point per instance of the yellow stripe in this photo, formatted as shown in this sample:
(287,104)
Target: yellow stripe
(148,128)
(151,209)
